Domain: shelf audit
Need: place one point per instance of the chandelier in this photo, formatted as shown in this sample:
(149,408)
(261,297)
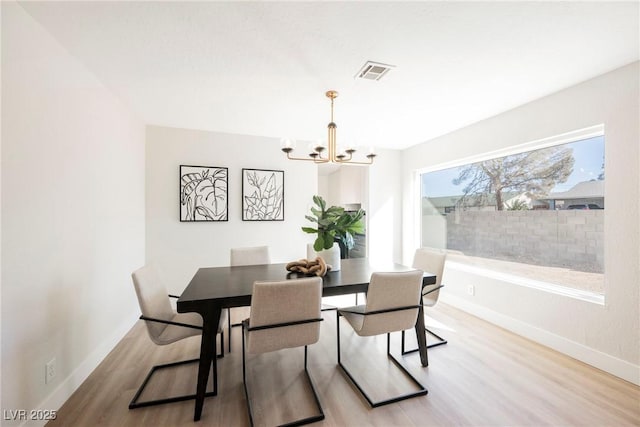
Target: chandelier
(329,154)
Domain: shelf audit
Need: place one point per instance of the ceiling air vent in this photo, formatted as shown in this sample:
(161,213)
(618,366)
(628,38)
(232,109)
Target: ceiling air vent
(373,71)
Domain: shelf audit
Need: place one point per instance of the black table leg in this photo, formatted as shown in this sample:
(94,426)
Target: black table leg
(210,321)
(421,334)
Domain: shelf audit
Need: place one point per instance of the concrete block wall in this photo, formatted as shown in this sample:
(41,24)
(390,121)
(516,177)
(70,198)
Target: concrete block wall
(565,238)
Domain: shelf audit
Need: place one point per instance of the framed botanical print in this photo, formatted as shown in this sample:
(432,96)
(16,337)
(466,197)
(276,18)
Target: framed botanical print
(262,195)
(203,193)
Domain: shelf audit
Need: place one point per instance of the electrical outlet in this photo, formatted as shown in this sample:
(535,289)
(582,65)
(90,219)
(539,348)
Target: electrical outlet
(471,290)
(50,371)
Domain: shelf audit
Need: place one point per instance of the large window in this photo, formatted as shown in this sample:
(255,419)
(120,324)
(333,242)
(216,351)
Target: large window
(536,214)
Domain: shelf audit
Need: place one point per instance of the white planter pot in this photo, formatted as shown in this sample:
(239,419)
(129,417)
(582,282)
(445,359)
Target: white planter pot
(332,257)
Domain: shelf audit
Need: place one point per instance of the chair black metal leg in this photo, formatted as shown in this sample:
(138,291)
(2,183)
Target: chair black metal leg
(338,333)
(135,404)
(313,418)
(441,341)
(299,422)
(244,379)
(420,392)
(221,354)
(229,327)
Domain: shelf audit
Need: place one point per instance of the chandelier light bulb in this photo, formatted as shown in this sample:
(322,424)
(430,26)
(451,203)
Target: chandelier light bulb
(320,146)
(287,145)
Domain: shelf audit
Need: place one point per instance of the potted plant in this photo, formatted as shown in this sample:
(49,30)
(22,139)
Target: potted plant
(333,225)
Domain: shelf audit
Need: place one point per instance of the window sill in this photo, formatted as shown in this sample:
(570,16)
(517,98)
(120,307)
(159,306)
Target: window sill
(588,296)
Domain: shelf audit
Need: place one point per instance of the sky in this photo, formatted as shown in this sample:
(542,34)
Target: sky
(588,155)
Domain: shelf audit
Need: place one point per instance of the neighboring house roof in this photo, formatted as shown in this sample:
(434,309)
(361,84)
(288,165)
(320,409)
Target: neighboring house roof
(582,190)
(444,201)
(441,202)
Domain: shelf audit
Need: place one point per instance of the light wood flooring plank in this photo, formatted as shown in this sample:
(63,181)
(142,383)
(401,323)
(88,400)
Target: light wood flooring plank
(485,376)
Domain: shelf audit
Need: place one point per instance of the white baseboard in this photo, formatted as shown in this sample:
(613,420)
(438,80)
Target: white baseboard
(612,365)
(59,396)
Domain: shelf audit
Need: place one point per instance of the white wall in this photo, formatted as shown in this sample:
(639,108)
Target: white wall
(0,209)
(605,336)
(384,216)
(333,189)
(72,216)
(323,186)
(180,248)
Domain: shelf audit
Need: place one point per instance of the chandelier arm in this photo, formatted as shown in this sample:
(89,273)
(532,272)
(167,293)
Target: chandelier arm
(319,159)
(322,160)
(346,158)
(350,162)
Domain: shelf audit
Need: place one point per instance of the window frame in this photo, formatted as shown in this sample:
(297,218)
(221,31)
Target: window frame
(565,138)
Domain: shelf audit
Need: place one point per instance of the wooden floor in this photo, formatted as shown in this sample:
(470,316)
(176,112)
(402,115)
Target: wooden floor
(484,376)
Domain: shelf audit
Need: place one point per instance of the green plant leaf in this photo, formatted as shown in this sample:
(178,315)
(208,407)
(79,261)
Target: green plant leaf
(319,201)
(318,245)
(333,223)
(335,211)
(356,228)
(326,222)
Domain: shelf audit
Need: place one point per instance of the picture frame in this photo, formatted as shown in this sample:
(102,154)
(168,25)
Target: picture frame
(262,195)
(203,193)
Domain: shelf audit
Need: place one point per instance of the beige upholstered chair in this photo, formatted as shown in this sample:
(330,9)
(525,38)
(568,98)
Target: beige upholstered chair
(165,326)
(393,300)
(254,255)
(284,314)
(250,256)
(430,260)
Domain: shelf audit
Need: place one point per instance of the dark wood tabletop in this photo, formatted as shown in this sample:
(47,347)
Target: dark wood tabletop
(232,286)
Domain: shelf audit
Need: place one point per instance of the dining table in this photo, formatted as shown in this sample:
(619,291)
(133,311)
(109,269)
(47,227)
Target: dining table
(213,288)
